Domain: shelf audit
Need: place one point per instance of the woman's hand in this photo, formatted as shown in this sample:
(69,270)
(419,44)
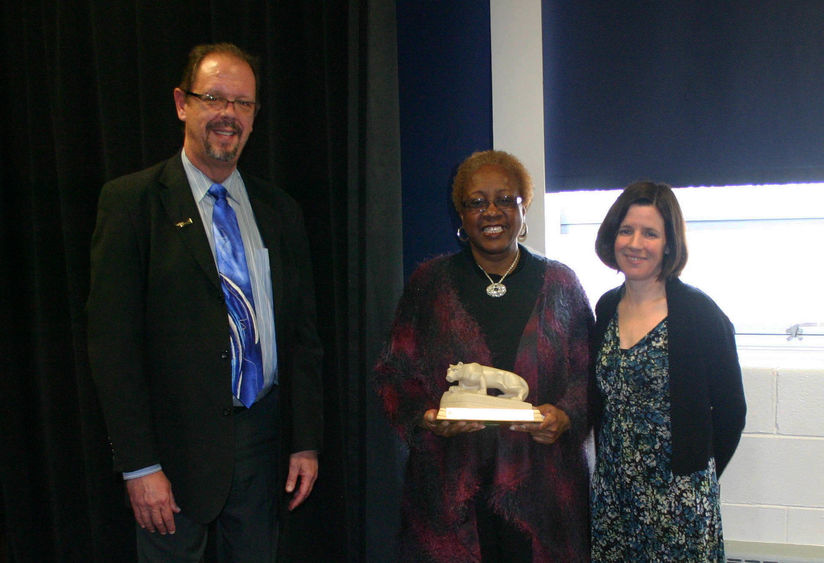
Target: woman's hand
(555,423)
(447,428)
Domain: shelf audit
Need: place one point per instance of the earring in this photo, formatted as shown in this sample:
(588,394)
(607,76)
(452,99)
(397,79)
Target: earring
(464,237)
(524,232)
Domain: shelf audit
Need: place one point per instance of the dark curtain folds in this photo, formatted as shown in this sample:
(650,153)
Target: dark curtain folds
(87,96)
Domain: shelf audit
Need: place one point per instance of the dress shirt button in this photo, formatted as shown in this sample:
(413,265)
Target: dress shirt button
(225,355)
(227,412)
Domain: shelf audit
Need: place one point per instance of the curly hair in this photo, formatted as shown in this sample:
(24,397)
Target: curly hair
(509,163)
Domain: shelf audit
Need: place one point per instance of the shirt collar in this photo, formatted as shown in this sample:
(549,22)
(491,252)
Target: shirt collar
(200,182)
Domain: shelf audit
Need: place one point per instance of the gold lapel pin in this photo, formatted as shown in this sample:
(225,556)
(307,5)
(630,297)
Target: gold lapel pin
(185,223)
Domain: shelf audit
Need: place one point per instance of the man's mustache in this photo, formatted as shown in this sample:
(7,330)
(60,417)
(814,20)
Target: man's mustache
(226,123)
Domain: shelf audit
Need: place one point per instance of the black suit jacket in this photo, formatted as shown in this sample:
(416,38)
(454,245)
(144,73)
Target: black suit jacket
(158,332)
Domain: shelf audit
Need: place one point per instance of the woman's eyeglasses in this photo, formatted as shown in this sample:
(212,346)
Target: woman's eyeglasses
(480,205)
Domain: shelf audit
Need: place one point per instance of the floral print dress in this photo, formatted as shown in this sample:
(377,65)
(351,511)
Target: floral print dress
(641,511)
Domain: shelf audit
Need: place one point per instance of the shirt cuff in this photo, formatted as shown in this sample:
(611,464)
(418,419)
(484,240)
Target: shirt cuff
(142,472)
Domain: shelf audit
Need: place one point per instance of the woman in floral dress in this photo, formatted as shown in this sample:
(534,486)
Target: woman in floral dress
(667,398)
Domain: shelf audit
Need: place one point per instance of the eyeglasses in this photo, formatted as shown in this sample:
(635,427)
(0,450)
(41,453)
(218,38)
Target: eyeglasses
(219,103)
(480,205)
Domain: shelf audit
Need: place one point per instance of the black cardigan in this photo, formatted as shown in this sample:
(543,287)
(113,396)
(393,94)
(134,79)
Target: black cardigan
(708,409)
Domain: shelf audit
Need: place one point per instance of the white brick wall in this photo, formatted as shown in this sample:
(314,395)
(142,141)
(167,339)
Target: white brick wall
(773,489)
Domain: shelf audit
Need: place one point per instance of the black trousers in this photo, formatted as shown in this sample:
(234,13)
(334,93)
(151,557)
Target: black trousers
(501,541)
(246,530)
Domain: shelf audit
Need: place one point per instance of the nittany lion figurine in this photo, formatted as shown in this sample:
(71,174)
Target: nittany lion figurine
(468,400)
(475,378)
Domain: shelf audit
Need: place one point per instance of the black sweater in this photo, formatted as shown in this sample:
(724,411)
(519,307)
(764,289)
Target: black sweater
(706,392)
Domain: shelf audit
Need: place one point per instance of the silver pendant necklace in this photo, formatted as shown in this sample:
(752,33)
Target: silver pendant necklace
(497,288)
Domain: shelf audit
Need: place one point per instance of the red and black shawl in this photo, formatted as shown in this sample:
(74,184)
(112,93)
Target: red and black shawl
(541,489)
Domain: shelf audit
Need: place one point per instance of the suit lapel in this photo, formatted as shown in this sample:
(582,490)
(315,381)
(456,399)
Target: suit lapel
(183,214)
(269,225)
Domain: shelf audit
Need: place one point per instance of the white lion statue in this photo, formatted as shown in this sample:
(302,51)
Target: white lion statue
(477,378)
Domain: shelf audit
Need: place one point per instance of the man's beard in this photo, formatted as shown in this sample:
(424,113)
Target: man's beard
(222,155)
(219,154)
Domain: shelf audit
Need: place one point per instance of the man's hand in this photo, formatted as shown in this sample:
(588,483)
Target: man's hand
(303,465)
(153,502)
(555,423)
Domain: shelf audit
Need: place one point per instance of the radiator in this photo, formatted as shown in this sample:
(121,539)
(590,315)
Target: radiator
(753,552)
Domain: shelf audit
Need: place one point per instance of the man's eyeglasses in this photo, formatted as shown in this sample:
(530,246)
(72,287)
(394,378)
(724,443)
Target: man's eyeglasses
(480,205)
(219,103)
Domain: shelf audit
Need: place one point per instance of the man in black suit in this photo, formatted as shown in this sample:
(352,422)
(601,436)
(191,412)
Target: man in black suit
(191,452)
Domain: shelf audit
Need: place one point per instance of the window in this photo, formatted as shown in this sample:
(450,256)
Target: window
(756,250)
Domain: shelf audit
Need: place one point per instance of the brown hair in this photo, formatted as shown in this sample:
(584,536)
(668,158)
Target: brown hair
(661,197)
(509,163)
(200,52)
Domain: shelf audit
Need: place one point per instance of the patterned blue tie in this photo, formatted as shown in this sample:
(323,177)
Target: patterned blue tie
(247,367)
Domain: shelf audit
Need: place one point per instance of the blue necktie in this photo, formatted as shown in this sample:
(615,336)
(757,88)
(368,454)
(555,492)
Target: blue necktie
(247,365)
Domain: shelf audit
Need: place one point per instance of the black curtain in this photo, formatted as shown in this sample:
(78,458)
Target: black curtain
(87,96)
(690,92)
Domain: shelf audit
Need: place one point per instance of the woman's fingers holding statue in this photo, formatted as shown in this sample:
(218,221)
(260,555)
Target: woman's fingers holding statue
(555,423)
(447,428)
